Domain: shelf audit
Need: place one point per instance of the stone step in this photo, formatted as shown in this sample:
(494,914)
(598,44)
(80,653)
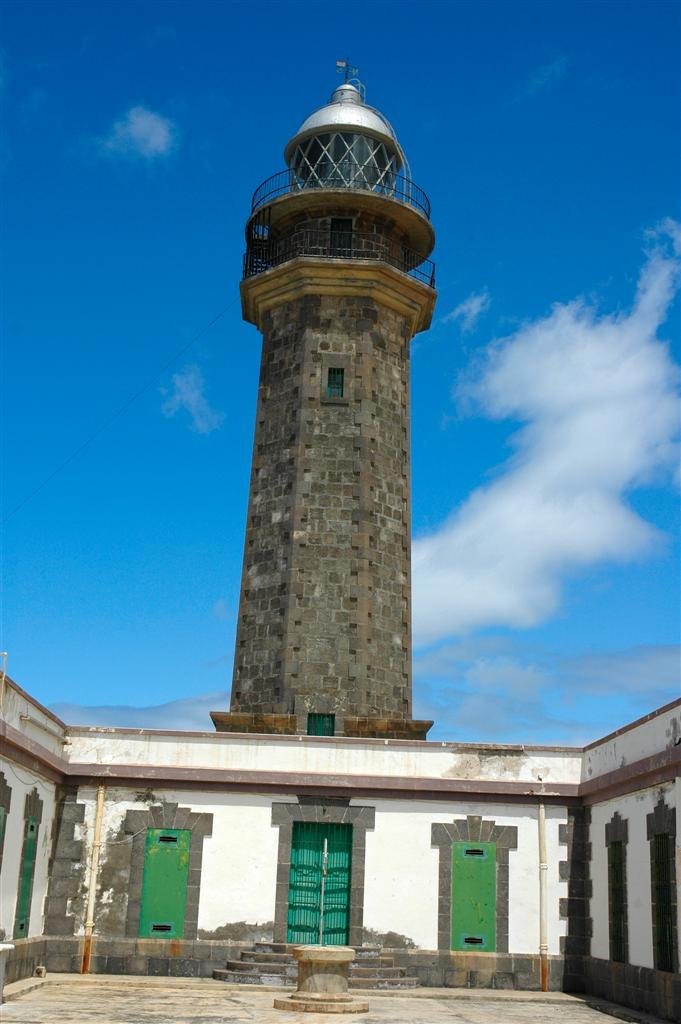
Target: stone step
(383,983)
(267,958)
(245,967)
(377,972)
(259,978)
(264,946)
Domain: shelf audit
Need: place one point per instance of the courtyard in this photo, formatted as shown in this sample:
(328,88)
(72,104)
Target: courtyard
(97,999)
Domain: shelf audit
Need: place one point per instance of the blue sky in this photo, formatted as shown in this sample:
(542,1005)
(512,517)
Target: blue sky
(545,477)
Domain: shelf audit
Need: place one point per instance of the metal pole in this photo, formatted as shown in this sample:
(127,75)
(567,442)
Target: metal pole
(543,905)
(92,880)
(325,857)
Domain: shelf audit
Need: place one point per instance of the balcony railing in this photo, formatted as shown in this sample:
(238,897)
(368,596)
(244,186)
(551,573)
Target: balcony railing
(394,186)
(266,253)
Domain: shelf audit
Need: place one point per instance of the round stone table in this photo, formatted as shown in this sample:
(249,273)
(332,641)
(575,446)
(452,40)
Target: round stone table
(323,982)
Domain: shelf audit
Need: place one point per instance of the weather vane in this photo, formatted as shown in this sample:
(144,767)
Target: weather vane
(343,67)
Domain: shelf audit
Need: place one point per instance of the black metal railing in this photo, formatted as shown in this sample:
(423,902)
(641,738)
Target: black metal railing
(393,186)
(265,253)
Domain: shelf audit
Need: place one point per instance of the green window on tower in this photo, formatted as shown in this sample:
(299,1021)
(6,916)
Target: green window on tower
(335,382)
(321,725)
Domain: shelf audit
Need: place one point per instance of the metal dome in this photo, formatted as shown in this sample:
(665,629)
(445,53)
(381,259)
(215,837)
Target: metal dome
(346,110)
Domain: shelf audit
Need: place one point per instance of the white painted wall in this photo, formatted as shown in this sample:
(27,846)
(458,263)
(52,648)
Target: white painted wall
(650,737)
(337,755)
(401,872)
(634,807)
(239,859)
(22,781)
(401,883)
(29,717)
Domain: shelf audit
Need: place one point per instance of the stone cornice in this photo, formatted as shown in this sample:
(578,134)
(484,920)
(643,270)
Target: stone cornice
(306,275)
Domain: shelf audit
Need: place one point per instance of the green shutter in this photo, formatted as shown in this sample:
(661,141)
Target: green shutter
(319,884)
(618,908)
(164,885)
(663,851)
(27,870)
(474,890)
(321,725)
(335,382)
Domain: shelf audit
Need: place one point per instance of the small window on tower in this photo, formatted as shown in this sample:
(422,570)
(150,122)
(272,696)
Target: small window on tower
(335,382)
(321,725)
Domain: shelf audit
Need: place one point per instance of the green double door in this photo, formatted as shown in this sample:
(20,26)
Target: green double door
(319,884)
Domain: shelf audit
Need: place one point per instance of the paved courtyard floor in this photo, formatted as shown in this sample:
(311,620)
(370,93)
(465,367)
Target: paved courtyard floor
(72,999)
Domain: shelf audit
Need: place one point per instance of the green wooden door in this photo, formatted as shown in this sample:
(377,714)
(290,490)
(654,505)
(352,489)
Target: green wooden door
(319,884)
(474,897)
(28,854)
(164,885)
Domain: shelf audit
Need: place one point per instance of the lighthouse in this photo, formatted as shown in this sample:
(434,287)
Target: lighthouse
(338,280)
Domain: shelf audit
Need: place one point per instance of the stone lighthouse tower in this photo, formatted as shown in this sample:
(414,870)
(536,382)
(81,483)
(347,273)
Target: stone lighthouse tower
(337,278)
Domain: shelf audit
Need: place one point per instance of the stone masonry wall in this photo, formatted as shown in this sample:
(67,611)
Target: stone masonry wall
(324,617)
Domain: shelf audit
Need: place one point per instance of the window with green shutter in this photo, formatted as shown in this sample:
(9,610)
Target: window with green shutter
(26,873)
(617,900)
(662,853)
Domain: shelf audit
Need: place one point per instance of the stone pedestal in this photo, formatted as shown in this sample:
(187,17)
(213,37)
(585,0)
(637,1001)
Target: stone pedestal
(323,982)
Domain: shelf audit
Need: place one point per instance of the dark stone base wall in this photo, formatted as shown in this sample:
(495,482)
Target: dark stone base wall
(175,958)
(478,970)
(24,958)
(641,988)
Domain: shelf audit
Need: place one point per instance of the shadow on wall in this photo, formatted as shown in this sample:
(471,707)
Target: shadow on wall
(240,931)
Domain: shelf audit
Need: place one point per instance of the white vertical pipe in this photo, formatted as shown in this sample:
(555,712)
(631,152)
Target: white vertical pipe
(92,879)
(543,902)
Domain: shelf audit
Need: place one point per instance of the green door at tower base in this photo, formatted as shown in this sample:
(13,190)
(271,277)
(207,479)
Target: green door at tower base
(164,885)
(319,884)
(474,892)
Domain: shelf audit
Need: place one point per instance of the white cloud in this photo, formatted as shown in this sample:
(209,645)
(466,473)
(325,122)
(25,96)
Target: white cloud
(543,78)
(597,394)
(221,609)
(639,670)
(490,689)
(468,312)
(140,133)
(191,713)
(480,689)
(187,393)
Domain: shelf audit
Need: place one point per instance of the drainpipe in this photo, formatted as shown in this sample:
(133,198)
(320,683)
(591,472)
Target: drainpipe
(92,880)
(543,903)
